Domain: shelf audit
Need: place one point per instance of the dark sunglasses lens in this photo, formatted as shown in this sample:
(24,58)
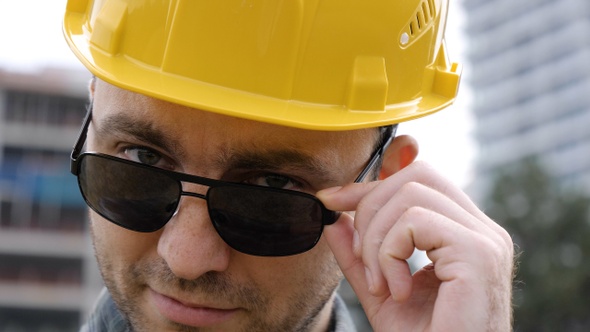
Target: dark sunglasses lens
(129,195)
(264,222)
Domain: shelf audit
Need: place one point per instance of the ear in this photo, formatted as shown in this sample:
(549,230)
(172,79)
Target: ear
(400,153)
(92,87)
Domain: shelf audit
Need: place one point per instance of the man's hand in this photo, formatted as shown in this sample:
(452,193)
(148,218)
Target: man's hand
(468,285)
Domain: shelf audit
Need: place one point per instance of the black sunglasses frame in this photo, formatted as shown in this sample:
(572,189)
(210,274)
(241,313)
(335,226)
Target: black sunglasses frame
(328,216)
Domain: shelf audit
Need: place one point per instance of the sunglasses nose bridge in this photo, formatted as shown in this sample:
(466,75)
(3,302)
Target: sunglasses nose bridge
(193,194)
(196,190)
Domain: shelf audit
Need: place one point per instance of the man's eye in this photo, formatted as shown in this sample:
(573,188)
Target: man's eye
(147,157)
(275,181)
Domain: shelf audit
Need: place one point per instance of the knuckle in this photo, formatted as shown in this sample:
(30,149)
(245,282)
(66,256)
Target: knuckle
(410,188)
(415,213)
(423,169)
(501,241)
(497,251)
(422,165)
(367,208)
(506,238)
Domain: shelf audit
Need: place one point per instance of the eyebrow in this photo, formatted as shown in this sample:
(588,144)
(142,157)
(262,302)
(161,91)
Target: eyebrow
(270,159)
(140,129)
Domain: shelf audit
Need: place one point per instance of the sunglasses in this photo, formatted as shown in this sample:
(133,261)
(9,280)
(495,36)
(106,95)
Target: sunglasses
(254,220)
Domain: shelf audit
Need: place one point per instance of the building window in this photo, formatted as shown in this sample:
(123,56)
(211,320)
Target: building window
(38,192)
(37,108)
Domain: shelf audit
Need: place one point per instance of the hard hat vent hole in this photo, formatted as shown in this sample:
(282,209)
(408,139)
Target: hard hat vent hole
(421,21)
(424,15)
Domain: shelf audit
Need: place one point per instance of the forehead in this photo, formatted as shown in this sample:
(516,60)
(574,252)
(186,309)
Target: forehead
(192,127)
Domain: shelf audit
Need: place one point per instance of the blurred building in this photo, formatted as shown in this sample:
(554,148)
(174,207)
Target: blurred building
(530,75)
(48,278)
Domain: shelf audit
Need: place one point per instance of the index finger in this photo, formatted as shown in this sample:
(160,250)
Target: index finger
(345,198)
(374,194)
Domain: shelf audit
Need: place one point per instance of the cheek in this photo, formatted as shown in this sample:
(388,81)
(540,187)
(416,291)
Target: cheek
(119,246)
(309,277)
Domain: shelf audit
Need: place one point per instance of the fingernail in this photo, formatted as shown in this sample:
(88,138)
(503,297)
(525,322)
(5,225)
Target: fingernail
(356,244)
(369,278)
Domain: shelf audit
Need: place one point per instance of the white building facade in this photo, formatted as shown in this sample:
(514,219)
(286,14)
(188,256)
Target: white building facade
(48,276)
(530,76)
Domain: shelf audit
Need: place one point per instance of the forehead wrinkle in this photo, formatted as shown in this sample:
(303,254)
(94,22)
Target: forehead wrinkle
(141,129)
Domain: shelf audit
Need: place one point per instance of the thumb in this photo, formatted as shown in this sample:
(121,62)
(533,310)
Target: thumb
(339,237)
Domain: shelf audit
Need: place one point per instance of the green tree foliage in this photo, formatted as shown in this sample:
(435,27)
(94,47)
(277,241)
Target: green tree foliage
(551,228)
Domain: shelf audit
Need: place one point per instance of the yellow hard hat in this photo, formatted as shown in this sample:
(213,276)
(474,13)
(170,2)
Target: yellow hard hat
(313,64)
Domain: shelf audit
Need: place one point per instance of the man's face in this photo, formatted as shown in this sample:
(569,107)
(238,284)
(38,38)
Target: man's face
(185,275)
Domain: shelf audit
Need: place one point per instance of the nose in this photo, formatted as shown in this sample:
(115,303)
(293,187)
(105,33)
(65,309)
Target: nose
(190,244)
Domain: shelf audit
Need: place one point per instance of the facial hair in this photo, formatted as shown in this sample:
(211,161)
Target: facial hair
(128,285)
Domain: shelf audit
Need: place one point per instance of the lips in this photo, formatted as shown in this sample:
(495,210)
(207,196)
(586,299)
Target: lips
(191,314)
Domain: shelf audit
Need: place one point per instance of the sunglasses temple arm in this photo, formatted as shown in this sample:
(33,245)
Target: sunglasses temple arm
(378,154)
(77,150)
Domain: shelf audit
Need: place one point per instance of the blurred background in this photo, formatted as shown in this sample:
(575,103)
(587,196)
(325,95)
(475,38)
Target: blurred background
(517,140)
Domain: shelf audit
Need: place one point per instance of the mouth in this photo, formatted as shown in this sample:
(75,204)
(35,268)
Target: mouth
(191,314)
